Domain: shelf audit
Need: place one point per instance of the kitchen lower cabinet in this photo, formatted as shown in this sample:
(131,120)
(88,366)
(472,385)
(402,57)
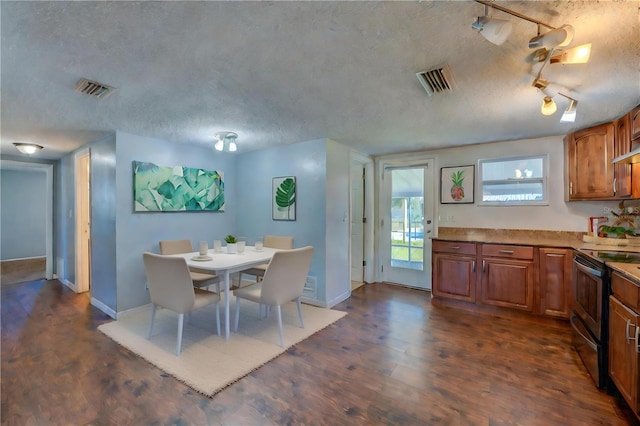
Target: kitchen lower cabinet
(454,270)
(624,332)
(507,276)
(555,278)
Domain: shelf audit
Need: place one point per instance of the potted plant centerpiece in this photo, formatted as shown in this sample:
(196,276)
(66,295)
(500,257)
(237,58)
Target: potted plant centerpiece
(232,246)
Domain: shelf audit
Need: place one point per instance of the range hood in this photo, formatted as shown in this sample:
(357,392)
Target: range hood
(632,157)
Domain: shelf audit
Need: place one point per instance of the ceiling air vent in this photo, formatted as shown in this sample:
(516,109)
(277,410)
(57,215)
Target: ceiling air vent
(437,80)
(93,88)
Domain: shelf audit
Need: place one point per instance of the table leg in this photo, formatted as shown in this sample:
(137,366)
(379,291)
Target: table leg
(226,305)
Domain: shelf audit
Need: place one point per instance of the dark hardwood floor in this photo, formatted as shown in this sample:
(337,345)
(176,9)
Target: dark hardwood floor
(394,360)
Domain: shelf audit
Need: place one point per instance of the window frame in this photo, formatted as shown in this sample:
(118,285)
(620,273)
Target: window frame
(545,181)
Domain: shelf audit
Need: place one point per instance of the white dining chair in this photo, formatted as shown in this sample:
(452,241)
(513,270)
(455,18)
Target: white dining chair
(170,287)
(283,282)
(271,241)
(199,277)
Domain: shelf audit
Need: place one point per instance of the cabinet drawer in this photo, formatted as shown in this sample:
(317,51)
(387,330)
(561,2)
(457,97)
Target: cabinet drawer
(503,250)
(453,247)
(626,291)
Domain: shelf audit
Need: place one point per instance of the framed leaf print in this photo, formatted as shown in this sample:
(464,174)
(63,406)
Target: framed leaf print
(283,198)
(456,185)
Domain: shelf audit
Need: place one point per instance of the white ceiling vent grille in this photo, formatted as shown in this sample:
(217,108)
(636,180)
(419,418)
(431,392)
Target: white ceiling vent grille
(93,88)
(437,80)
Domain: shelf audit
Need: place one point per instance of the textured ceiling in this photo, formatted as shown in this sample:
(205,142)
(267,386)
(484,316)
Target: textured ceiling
(284,72)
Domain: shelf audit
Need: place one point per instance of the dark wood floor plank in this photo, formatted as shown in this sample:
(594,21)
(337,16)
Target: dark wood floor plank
(395,359)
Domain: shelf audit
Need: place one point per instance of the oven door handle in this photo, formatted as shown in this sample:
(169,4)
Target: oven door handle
(589,341)
(585,268)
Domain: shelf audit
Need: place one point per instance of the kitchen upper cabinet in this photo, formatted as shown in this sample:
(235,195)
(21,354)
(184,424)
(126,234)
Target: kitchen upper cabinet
(621,146)
(588,155)
(634,123)
(454,270)
(556,282)
(507,276)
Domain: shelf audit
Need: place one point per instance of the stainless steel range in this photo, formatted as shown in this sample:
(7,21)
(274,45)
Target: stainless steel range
(589,318)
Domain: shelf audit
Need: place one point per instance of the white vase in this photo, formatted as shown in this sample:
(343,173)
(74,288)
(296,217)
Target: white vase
(232,248)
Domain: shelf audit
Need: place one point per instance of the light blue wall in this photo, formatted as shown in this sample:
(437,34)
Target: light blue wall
(307,162)
(103,222)
(23,213)
(140,232)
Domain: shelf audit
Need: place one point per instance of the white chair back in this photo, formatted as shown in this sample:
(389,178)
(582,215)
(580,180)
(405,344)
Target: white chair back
(286,275)
(169,282)
(175,246)
(278,242)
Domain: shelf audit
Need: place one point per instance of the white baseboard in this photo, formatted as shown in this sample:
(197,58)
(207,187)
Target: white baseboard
(341,298)
(132,311)
(69,284)
(104,308)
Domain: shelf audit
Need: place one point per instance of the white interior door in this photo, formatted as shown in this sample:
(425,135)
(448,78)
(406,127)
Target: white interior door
(357,224)
(83,225)
(406,209)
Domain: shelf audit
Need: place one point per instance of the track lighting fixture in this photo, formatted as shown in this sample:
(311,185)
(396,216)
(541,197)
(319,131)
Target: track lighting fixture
(551,49)
(569,115)
(226,141)
(495,30)
(575,55)
(549,106)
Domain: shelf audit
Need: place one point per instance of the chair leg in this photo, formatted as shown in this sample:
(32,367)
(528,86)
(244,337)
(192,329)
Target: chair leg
(218,317)
(235,327)
(300,312)
(279,312)
(153,317)
(180,327)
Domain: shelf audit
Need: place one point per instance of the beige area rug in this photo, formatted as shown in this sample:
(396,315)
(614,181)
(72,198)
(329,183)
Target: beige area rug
(207,362)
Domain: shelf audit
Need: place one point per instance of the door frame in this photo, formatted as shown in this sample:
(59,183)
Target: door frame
(400,160)
(82,181)
(369,213)
(48,170)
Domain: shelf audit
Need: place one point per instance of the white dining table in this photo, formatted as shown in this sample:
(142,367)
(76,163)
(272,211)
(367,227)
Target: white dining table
(224,264)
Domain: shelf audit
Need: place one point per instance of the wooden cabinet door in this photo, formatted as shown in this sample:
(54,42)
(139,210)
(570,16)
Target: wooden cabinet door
(589,168)
(556,282)
(507,283)
(454,277)
(621,146)
(634,122)
(623,350)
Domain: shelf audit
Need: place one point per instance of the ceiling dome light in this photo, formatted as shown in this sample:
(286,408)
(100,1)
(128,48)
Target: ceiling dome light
(226,141)
(549,106)
(27,148)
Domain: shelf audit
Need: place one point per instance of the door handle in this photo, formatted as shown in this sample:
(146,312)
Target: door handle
(483,266)
(507,251)
(629,338)
(473,266)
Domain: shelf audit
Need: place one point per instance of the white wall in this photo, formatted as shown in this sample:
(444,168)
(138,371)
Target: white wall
(557,216)
(338,256)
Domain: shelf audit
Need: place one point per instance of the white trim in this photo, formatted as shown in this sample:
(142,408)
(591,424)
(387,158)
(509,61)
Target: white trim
(369,212)
(104,308)
(132,311)
(48,170)
(68,283)
(341,298)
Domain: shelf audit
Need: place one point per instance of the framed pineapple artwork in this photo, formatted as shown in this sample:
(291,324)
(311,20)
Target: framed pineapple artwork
(457,185)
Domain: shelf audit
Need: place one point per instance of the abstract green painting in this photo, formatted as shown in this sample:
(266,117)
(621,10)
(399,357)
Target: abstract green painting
(175,188)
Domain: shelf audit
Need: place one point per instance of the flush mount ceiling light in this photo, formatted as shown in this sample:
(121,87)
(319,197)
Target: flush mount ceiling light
(226,141)
(27,148)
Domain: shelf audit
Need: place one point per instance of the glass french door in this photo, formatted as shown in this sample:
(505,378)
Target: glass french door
(407,223)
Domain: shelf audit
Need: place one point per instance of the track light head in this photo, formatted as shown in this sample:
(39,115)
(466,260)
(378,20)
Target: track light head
(559,37)
(495,30)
